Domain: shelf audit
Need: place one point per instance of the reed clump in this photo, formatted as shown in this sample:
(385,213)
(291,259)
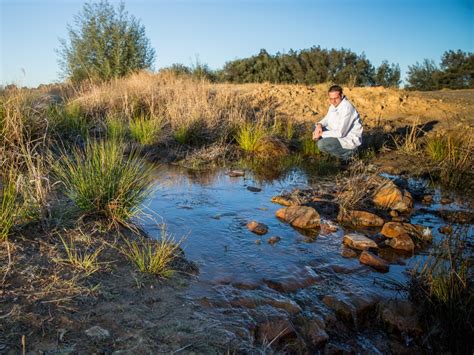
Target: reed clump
(101,179)
(443,292)
(152,256)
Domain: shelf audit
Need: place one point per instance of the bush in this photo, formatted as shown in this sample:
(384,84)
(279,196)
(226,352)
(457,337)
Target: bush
(100,180)
(105,43)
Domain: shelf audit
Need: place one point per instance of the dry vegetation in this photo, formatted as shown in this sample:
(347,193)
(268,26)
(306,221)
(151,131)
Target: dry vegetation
(73,170)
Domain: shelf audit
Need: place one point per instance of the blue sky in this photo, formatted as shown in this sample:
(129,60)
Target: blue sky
(215,31)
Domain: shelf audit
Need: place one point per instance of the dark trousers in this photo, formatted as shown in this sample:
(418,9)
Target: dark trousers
(332,146)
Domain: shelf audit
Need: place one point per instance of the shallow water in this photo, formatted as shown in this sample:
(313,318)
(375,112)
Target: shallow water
(209,211)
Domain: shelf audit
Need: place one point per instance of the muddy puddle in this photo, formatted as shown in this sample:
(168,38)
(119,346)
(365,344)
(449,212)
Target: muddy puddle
(299,293)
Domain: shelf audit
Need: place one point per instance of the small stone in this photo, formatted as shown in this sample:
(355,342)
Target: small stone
(254,188)
(393,213)
(445,201)
(358,241)
(427,199)
(446,229)
(285,201)
(348,253)
(258,242)
(257,227)
(328,227)
(379,264)
(273,240)
(97,332)
(236,173)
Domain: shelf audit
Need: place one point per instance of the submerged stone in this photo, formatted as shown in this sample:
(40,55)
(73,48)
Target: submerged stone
(370,259)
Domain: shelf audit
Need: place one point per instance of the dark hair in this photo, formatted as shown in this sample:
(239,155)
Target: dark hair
(335,88)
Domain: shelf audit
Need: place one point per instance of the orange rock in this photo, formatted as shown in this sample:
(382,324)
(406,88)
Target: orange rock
(390,196)
(299,216)
(360,218)
(415,231)
(358,241)
(257,228)
(402,242)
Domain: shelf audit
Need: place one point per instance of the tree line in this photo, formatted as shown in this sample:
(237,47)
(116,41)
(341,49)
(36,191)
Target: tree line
(107,43)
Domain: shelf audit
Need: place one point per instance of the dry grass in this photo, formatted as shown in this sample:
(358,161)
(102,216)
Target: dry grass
(410,142)
(355,190)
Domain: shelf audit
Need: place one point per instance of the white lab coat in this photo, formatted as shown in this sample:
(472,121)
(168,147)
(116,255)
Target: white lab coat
(343,122)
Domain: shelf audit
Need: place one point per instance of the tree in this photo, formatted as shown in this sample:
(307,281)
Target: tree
(458,70)
(105,43)
(423,76)
(387,75)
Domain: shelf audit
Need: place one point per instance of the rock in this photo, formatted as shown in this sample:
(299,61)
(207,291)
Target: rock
(400,316)
(285,201)
(273,329)
(401,242)
(97,332)
(254,188)
(400,219)
(415,231)
(427,199)
(379,264)
(390,196)
(446,229)
(351,307)
(393,213)
(445,201)
(258,242)
(314,330)
(299,216)
(293,281)
(273,240)
(348,253)
(257,228)
(328,227)
(360,218)
(358,241)
(236,173)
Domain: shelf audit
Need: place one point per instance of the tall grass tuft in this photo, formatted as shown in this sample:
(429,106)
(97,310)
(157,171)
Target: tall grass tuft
(116,128)
(152,256)
(145,130)
(410,142)
(443,291)
(100,180)
(250,135)
(81,260)
(68,121)
(453,156)
(308,145)
(8,207)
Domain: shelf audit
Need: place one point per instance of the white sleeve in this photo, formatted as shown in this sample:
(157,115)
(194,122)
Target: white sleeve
(324,121)
(344,123)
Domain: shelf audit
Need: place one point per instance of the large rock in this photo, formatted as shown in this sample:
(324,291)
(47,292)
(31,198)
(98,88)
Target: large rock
(257,227)
(299,216)
(285,201)
(358,241)
(391,197)
(360,218)
(352,307)
(314,330)
(274,328)
(400,316)
(379,264)
(417,232)
(401,242)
